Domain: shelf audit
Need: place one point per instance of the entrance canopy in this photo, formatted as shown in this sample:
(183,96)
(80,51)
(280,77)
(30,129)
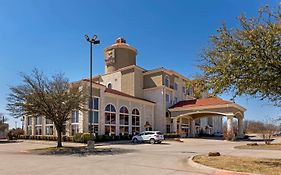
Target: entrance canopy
(199,108)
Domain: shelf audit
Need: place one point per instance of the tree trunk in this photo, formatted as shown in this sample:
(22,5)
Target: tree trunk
(59,141)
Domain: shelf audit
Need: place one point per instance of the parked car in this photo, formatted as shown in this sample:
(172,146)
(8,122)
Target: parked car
(218,134)
(277,134)
(148,136)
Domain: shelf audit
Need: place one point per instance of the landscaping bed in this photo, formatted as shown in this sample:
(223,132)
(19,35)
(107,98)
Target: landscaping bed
(82,151)
(241,164)
(272,146)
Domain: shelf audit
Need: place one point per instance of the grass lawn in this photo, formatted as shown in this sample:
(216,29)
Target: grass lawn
(272,146)
(242,164)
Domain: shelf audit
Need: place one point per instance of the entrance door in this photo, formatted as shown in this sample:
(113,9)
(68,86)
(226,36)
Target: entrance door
(184,130)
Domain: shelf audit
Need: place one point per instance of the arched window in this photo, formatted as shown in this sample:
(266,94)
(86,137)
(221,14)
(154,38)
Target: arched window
(167,81)
(110,120)
(135,121)
(124,120)
(109,86)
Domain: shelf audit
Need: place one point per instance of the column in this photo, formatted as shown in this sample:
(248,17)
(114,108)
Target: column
(175,125)
(180,130)
(192,128)
(33,126)
(130,118)
(229,127)
(240,128)
(43,125)
(117,128)
(25,125)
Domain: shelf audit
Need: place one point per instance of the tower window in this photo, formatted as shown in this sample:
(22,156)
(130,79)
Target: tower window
(109,86)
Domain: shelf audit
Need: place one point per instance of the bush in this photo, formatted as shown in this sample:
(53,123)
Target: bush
(171,135)
(214,154)
(85,137)
(252,144)
(77,137)
(15,133)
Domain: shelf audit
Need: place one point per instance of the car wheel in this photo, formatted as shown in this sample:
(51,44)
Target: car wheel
(159,142)
(135,140)
(152,141)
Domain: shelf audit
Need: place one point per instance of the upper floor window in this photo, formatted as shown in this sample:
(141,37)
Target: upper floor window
(94,104)
(38,120)
(176,86)
(48,121)
(75,117)
(29,121)
(183,90)
(109,86)
(190,91)
(167,81)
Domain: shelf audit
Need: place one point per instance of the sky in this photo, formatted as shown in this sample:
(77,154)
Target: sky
(48,35)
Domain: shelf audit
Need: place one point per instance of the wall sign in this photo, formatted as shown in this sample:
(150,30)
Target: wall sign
(110,57)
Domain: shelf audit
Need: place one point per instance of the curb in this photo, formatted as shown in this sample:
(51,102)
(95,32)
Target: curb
(215,170)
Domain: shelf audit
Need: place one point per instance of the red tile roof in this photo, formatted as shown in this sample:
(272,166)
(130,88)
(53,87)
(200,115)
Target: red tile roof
(200,102)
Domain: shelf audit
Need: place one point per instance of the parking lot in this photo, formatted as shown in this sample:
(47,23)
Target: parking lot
(170,157)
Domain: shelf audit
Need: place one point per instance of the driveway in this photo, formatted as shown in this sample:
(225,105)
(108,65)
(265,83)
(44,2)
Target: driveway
(169,158)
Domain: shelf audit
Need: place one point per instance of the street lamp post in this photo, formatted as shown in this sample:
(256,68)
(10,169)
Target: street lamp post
(92,41)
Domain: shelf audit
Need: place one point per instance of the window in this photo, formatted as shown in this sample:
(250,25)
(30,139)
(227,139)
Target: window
(38,121)
(75,117)
(190,91)
(167,81)
(94,104)
(109,86)
(176,99)
(168,128)
(135,121)
(74,129)
(124,120)
(29,121)
(94,116)
(38,130)
(29,130)
(49,130)
(176,86)
(110,120)
(167,98)
(48,121)
(183,90)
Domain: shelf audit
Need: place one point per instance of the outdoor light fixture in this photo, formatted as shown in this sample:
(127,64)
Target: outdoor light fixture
(92,42)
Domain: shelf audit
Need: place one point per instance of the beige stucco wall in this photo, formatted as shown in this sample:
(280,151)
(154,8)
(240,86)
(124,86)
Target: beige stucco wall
(152,80)
(113,78)
(157,95)
(123,57)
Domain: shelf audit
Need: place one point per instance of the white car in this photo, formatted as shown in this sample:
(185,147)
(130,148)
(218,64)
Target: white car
(148,136)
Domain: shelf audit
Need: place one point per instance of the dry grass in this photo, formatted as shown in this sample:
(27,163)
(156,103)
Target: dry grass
(242,164)
(272,146)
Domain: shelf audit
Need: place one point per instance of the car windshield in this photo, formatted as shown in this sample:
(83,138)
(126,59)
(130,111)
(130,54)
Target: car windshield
(159,133)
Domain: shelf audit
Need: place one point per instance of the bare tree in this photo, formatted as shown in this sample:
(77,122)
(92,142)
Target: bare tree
(268,131)
(52,98)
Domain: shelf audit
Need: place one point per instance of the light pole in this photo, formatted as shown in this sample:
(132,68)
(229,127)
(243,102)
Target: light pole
(92,41)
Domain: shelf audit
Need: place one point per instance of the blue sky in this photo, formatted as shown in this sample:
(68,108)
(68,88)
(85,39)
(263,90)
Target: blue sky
(49,35)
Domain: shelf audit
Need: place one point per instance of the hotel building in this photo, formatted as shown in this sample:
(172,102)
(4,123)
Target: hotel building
(129,99)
